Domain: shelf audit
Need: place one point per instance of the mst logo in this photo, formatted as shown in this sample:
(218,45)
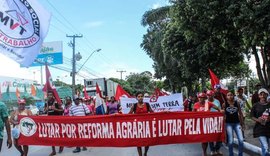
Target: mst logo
(28,126)
(19,24)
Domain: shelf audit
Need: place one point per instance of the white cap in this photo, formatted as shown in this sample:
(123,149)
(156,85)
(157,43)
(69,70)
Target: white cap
(146,95)
(263,90)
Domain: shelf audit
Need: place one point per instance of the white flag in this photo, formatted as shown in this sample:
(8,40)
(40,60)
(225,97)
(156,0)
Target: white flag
(23,26)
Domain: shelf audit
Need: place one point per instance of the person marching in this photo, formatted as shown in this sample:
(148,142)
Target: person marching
(260,114)
(68,103)
(242,100)
(113,106)
(219,95)
(214,146)
(234,122)
(79,109)
(203,106)
(15,131)
(189,102)
(141,108)
(4,121)
(52,108)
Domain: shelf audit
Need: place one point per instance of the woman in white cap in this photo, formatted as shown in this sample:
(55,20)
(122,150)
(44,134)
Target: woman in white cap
(15,131)
(260,114)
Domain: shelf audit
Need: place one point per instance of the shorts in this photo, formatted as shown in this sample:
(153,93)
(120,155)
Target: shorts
(15,132)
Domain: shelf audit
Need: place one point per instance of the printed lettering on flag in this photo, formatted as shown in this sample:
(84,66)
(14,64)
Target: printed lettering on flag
(173,102)
(23,27)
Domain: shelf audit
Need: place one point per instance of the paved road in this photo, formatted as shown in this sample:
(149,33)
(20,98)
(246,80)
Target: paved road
(162,150)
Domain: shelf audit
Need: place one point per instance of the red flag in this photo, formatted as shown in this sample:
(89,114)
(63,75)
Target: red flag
(120,92)
(98,91)
(49,85)
(85,93)
(215,81)
(158,92)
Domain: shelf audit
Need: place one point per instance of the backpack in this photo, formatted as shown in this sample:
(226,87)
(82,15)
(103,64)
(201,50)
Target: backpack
(135,107)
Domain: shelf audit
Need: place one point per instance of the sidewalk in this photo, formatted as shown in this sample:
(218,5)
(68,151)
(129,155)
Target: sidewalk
(249,148)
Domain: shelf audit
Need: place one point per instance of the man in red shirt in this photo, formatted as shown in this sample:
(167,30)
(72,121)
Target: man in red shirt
(203,106)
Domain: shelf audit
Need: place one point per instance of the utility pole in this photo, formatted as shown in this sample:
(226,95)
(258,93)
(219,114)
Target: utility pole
(121,72)
(73,73)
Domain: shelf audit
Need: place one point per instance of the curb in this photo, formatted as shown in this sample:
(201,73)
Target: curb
(249,147)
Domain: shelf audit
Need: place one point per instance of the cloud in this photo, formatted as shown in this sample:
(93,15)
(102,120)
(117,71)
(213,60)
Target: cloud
(160,3)
(94,24)
(156,5)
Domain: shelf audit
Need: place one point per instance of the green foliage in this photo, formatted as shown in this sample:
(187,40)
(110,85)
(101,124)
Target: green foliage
(188,37)
(29,100)
(137,82)
(140,82)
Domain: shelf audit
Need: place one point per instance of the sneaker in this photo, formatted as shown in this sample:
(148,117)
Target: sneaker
(213,153)
(76,150)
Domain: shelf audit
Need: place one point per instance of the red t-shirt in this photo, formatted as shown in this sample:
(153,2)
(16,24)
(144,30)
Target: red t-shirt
(203,108)
(141,110)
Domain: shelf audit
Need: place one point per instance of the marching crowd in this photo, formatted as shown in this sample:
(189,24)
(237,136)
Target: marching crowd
(235,111)
(232,106)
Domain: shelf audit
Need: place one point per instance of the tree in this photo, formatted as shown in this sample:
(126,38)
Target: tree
(124,84)
(140,82)
(253,22)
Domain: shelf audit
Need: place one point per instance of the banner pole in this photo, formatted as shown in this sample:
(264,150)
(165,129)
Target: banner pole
(41,80)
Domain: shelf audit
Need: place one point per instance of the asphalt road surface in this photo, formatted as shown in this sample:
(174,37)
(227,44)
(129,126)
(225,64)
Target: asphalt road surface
(161,150)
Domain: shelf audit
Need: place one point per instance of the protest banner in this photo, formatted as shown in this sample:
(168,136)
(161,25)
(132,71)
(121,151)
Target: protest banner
(173,102)
(122,130)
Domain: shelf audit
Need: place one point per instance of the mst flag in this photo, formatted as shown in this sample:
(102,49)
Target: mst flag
(120,92)
(215,82)
(86,96)
(23,27)
(49,85)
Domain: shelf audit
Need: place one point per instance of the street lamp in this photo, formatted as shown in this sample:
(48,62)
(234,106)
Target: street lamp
(97,50)
(78,57)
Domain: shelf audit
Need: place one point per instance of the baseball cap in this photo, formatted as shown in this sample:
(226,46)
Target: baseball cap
(210,93)
(202,95)
(21,101)
(263,90)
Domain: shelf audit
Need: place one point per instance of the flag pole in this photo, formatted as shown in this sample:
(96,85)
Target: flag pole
(41,80)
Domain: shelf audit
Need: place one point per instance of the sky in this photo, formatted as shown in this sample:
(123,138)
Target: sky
(114,26)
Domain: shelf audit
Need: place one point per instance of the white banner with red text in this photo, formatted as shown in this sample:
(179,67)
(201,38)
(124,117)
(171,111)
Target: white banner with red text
(122,130)
(173,102)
